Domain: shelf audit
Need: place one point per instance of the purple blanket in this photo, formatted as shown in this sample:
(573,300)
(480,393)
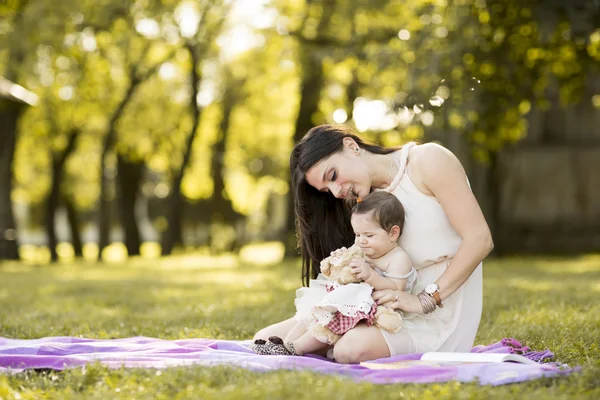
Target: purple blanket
(141,352)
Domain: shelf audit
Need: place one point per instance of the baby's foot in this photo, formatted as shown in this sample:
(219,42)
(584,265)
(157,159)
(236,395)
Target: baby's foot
(259,347)
(273,347)
(276,347)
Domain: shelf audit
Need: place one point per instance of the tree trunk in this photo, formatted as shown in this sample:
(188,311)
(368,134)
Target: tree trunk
(353,90)
(352,95)
(104,217)
(221,209)
(53,199)
(128,178)
(51,206)
(9,115)
(172,236)
(10,112)
(492,212)
(310,94)
(73,226)
(104,220)
(103,209)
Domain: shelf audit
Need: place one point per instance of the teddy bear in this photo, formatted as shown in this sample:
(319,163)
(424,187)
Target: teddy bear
(337,270)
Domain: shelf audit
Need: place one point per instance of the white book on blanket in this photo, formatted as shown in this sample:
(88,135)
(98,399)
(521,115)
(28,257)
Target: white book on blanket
(475,357)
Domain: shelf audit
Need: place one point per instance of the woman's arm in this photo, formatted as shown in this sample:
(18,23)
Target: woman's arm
(436,171)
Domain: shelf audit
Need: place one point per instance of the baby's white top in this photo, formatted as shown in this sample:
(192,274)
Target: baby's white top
(393,265)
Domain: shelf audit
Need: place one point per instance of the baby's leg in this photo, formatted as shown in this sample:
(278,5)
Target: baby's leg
(280,329)
(261,344)
(306,344)
(296,332)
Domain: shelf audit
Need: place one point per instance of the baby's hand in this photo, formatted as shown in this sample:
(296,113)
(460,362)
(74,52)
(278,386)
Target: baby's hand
(360,268)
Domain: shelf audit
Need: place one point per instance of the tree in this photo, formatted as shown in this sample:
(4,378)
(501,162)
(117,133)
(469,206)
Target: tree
(172,236)
(219,207)
(54,195)
(311,83)
(213,15)
(11,108)
(136,78)
(10,112)
(141,58)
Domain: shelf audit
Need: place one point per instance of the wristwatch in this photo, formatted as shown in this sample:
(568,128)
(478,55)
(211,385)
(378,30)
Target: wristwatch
(433,290)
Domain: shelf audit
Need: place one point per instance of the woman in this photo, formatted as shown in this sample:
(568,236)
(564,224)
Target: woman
(445,235)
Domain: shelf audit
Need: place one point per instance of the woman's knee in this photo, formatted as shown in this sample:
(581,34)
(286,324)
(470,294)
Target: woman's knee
(360,345)
(347,352)
(350,349)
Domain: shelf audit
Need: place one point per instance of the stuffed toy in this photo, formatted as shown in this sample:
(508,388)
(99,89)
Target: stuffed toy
(337,270)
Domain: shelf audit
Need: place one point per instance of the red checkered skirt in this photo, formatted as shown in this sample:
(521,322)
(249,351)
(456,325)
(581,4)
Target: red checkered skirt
(341,323)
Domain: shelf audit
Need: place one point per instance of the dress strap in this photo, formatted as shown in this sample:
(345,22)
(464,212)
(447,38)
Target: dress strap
(405,276)
(411,277)
(400,158)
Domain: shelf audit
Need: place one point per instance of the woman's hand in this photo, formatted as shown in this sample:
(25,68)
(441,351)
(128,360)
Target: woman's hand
(396,299)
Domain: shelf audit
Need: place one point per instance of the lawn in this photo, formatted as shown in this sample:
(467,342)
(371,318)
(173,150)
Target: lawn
(544,302)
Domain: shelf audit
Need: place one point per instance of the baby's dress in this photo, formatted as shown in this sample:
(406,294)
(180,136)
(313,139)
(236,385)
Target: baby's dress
(340,307)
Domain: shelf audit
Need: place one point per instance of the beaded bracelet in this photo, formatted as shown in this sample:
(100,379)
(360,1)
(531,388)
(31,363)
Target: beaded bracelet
(427,302)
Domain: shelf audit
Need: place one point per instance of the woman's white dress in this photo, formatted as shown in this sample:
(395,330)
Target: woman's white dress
(431,242)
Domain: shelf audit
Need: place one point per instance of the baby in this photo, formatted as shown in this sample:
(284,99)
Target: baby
(377,221)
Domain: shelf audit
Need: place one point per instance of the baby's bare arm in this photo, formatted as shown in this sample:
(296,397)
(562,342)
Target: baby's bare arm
(381,282)
(400,265)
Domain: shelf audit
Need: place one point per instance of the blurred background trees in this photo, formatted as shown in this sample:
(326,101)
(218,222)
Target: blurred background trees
(153,126)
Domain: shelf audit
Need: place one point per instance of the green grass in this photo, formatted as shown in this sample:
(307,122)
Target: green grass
(544,302)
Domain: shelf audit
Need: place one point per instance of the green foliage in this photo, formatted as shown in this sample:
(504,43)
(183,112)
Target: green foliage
(524,52)
(468,67)
(546,303)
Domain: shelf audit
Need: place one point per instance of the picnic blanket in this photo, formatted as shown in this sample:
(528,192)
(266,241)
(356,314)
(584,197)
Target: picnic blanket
(61,352)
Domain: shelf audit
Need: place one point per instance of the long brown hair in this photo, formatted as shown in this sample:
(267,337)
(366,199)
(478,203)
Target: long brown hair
(322,221)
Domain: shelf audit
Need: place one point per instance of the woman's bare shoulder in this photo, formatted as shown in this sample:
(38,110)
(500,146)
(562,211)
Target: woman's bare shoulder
(427,153)
(431,160)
